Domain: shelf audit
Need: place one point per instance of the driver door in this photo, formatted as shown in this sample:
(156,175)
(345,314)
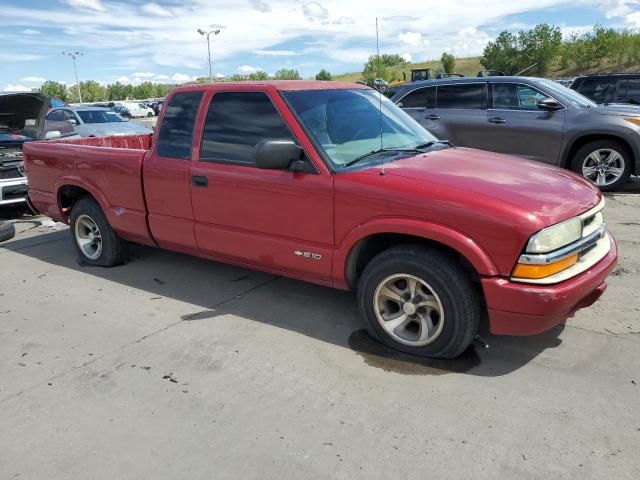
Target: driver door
(279,220)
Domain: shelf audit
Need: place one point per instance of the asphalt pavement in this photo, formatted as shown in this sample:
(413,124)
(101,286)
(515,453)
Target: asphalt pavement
(174,367)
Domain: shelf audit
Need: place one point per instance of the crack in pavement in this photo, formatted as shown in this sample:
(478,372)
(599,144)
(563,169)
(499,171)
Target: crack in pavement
(138,340)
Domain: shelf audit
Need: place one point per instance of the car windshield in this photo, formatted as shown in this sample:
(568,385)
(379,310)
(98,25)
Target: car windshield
(100,116)
(346,124)
(566,94)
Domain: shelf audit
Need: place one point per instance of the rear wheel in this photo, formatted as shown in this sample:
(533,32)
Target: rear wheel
(419,301)
(94,239)
(605,162)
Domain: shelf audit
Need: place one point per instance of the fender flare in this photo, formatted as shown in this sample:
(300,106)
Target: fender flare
(85,184)
(462,244)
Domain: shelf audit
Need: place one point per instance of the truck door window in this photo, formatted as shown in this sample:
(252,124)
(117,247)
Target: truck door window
(467,96)
(176,132)
(236,122)
(420,98)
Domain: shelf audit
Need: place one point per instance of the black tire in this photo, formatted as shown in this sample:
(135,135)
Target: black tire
(149,114)
(7,231)
(462,306)
(583,153)
(114,250)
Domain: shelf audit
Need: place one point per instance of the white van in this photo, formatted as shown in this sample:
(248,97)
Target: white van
(137,109)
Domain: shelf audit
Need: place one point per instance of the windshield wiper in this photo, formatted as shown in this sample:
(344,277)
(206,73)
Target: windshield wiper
(417,148)
(376,152)
(431,143)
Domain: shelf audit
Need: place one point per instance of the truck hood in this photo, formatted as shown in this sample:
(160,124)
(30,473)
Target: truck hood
(23,114)
(541,193)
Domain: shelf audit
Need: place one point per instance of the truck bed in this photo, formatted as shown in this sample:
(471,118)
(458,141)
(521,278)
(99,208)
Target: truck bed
(109,168)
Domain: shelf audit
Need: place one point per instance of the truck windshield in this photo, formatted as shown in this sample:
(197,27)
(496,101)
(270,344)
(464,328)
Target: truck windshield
(99,116)
(345,124)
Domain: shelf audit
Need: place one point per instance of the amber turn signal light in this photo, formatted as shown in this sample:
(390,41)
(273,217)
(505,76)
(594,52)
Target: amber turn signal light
(535,272)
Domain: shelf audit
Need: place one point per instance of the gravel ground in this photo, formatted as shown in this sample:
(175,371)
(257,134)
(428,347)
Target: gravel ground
(175,367)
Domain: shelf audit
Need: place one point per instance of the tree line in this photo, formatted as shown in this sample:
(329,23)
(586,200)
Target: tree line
(93,91)
(543,48)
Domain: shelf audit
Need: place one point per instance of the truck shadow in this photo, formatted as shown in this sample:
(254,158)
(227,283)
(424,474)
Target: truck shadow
(318,312)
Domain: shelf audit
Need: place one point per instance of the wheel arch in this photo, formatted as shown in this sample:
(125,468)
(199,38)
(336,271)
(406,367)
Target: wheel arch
(70,189)
(579,142)
(369,240)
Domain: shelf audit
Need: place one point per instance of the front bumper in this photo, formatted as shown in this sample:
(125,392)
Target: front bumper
(13,191)
(528,309)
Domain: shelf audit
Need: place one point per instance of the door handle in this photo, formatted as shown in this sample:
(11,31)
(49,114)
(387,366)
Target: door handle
(497,120)
(199,181)
(432,116)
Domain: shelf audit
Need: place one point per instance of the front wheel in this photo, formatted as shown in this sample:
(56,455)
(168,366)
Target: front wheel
(606,163)
(419,301)
(149,114)
(94,239)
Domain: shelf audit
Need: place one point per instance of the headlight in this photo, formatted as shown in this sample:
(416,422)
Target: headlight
(556,236)
(559,247)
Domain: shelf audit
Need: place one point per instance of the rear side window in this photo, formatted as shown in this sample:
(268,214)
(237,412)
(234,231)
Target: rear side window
(469,96)
(176,131)
(236,123)
(420,98)
(594,88)
(629,91)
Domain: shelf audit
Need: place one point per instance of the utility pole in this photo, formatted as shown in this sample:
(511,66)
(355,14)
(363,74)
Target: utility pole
(207,34)
(73,55)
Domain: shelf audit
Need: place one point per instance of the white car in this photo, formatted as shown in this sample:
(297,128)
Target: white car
(138,109)
(96,121)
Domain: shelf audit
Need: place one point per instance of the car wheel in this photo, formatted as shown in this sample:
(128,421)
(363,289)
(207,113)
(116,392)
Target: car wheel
(419,301)
(7,231)
(94,239)
(149,114)
(605,162)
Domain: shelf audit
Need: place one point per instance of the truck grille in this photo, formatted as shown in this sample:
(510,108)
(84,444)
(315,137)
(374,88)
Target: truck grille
(11,171)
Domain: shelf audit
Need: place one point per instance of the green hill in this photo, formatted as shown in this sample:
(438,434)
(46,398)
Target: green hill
(471,66)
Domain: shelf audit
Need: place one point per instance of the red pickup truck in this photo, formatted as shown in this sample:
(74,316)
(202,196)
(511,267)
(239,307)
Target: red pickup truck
(329,183)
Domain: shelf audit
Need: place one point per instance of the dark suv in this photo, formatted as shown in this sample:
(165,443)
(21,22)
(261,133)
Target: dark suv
(533,118)
(610,87)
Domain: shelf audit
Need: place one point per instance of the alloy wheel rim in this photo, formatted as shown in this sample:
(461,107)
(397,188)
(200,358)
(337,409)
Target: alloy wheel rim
(408,310)
(603,167)
(88,237)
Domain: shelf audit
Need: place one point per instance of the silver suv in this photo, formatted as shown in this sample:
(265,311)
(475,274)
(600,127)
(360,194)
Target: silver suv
(533,118)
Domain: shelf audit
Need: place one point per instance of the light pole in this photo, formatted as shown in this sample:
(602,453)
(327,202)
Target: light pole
(206,34)
(75,69)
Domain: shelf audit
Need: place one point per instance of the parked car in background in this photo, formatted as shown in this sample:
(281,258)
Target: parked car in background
(610,87)
(22,120)
(96,121)
(137,109)
(122,111)
(156,106)
(533,118)
(290,178)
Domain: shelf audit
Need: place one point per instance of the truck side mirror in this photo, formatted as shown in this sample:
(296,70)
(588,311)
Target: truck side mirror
(276,154)
(52,134)
(549,104)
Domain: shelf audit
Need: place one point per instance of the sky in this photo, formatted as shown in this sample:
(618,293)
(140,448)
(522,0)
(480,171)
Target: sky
(137,40)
